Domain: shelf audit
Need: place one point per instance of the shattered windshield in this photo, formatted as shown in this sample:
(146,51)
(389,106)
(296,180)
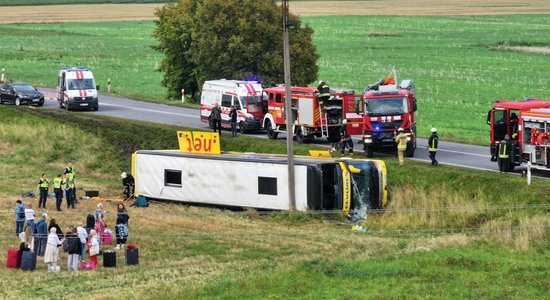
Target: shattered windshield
(387,106)
(361,192)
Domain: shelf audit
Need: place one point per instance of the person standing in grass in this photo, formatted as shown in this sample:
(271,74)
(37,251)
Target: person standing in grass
(70,172)
(121,226)
(401,140)
(29,216)
(51,256)
(41,235)
(58,190)
(43,187)
(74,248)
(233,120)
(82,235)
(345,139)
(69,191)
(432,146)
(93,245)
(19,217)
(53,224)
(505,154)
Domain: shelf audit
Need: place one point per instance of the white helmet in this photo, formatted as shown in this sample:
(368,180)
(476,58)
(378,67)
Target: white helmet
(400,129)
(123,175)
(320,81)
(434,129)
(344,121)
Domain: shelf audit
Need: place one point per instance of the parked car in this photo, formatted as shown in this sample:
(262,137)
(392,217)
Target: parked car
(19,93)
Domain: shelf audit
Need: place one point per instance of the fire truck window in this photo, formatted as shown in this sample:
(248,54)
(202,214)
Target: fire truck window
(172,178)
(267,186)
(279,98)
(271,97)
(226,100)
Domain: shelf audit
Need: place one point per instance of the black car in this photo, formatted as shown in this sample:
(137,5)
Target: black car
(19,93)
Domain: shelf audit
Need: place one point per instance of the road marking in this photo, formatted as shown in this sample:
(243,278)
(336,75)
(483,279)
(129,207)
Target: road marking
(464,153)
(150,110)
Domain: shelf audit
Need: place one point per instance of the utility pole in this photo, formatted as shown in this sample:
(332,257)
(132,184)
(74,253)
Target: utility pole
(288,109)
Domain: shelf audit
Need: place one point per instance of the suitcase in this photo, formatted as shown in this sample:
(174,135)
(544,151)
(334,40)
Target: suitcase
(14,259)
(86,265)
(109,259)
(132,256)
(92,194)
(28,261)
(107,237)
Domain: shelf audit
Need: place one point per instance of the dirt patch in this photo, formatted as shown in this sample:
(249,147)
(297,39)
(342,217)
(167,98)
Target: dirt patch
(528,49)
(131,12)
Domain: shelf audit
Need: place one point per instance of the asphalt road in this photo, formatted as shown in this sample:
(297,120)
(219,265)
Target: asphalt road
(455,154)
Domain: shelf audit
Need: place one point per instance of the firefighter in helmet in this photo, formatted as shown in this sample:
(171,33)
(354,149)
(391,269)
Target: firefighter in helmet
(505,154)
(401,140)
(345,139)
(432,146)
(324,93)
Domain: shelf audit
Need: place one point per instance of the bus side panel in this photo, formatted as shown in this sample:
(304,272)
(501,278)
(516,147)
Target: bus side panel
(218,182)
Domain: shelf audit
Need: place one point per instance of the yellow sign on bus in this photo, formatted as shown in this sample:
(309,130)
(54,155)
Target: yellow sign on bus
(199,142)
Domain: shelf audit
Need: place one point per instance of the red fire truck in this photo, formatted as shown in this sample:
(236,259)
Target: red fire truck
(386,107)
(527,122)
(309,119)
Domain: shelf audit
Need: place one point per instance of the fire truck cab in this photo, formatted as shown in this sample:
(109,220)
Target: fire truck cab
(386,107)
(527,122)
(308,118)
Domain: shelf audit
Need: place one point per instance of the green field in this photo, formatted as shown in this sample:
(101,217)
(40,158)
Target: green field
(55,2)
(456,62)
(451,233)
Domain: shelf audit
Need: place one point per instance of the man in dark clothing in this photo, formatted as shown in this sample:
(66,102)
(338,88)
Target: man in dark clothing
(216,118)
(128,182)
(345,138)
(324,93)
(504,154)
(432,146)
(233,120)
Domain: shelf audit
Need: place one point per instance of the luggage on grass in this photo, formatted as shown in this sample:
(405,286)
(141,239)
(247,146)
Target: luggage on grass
(14,259)
(132,256)
(28,261)
(109,259)
(86,265)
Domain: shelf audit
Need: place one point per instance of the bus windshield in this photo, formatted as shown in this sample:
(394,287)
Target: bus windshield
(80,84)
(386,106)
(362,192)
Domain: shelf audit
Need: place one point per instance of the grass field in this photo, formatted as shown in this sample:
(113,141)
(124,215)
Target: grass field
(450,232)
(460,64)
(56,2)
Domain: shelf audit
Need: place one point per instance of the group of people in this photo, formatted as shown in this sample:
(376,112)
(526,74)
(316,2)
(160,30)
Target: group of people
(216,119)
(402,139)
(61,183)
(46,238)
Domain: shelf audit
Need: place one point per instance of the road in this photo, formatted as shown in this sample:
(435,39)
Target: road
(455,154)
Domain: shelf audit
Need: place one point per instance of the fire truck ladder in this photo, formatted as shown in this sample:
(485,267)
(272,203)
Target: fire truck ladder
(324,125)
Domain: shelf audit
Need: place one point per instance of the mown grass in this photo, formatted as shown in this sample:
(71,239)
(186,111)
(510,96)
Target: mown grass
(190,252)
(454,60)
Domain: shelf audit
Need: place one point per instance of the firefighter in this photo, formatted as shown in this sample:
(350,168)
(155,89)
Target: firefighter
(324,93)
(401,140)
(432,146)
(43,187)
(345,139)
(58,190)
(504,152)
(128,182)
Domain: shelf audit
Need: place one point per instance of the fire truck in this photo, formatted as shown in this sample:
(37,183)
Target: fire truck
(309,119)
(386,107)
(527,122)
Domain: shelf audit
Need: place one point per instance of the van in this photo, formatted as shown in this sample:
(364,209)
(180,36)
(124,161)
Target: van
(246,96)
(76,89)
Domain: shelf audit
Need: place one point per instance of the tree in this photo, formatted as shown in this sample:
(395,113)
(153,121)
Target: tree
(233,39)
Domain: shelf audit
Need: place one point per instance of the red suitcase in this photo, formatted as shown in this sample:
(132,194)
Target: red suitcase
(14,259)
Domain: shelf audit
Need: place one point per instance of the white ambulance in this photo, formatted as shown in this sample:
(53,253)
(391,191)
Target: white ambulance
(246,96)
(76,89)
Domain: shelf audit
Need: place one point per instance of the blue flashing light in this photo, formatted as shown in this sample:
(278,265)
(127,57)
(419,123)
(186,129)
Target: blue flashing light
(377,128)
(253,78)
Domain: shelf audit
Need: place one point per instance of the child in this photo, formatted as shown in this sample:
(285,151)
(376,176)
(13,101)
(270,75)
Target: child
(52,250)
(94,247)
(74,248)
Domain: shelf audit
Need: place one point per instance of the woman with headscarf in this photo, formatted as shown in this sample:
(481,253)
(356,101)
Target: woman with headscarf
(52,250)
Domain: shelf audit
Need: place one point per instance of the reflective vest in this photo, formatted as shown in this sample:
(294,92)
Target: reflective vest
(57,183)
(324,90)
(503,150)
(71,172)
(69,184)
(401,140)
(44,183)
(433,145)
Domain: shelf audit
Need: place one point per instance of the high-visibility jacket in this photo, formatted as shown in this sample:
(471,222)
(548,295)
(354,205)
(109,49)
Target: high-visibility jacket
(44,183)
(432,143)
(401,140)
(57,182)
(324,90)
(504,149)
(70,171)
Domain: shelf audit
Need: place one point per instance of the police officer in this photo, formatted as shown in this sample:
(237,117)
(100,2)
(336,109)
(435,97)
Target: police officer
(504,152)
(345,139)
(69,170)
(43,187)
(324,93)
(401,140)
(69,191)
(58,190)
(432,146)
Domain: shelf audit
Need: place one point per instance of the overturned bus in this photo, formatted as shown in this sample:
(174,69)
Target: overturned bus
(260,180)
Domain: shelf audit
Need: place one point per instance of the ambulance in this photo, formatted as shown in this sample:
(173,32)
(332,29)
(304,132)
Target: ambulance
(246,96)
(76,89)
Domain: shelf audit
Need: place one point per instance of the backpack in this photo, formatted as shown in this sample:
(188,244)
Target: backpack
(142,201)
